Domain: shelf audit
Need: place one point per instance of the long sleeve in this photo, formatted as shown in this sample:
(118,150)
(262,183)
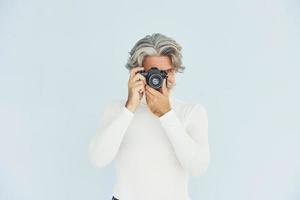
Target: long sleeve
(104,146)
(191,142)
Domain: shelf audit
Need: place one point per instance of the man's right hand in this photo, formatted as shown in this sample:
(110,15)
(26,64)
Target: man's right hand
(136,88)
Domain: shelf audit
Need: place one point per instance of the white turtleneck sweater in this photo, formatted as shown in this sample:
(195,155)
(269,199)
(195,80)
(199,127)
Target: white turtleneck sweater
(154,155)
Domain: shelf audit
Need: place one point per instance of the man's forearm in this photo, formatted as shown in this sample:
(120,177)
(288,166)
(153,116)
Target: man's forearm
(105,145)
(192,155)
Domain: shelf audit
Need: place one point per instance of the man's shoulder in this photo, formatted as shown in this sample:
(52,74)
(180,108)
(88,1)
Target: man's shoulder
(185,107)
(187,104)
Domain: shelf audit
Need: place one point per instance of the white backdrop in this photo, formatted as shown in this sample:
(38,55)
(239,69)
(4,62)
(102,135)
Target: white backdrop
(63,61)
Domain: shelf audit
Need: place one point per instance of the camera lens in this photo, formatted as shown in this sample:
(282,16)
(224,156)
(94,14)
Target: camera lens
(155,80)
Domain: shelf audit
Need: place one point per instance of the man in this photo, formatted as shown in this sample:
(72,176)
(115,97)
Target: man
(156,139)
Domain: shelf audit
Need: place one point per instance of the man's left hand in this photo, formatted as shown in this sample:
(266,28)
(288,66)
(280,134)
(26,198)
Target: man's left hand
(158,101)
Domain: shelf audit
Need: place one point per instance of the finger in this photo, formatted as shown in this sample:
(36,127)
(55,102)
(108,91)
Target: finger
(139,84)
(141,91)
(149,94)
(140,88)
(149,97)
(164,87)
(139,77)
(152,90)
(134,70)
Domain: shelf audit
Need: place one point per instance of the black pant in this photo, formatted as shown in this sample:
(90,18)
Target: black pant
(114,198)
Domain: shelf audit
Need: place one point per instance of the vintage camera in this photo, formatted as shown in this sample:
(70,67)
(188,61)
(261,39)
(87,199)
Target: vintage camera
(154,77)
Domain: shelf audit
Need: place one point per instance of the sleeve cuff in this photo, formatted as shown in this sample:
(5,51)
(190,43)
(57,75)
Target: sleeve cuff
(127,111)
(166,116)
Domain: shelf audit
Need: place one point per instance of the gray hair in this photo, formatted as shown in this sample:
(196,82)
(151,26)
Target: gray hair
(156,44)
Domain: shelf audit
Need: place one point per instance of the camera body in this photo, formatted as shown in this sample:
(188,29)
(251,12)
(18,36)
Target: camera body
(154,77)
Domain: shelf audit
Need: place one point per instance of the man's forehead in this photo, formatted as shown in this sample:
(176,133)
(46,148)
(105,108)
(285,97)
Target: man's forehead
(165,67)
(161,62)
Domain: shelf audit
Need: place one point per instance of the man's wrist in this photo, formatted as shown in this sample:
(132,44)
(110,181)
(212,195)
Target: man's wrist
(130,107)
(163,113)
